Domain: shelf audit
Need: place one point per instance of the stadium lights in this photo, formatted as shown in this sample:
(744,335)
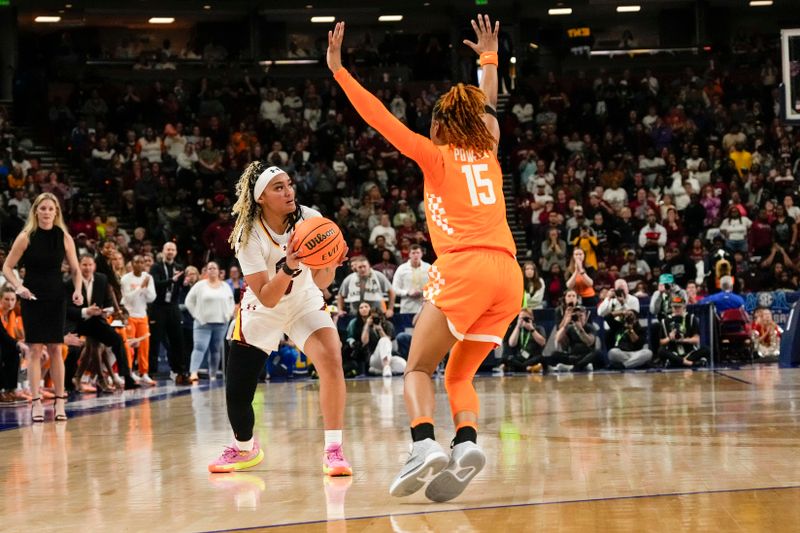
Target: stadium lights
(207,7)
(760,3)
(628,9)
(513,60)
(560,11)
(46,18)
(326,20)
(161,20)
(390,18)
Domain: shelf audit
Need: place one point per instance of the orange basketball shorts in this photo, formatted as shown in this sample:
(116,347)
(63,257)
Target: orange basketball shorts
(478,290)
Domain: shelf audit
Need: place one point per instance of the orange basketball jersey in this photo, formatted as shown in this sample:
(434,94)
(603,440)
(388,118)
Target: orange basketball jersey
(464,203)
(464,199)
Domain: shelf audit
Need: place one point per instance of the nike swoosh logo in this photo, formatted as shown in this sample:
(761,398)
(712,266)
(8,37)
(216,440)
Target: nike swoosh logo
(411,467)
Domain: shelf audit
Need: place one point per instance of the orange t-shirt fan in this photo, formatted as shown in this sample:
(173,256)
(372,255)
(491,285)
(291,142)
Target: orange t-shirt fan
(320,242)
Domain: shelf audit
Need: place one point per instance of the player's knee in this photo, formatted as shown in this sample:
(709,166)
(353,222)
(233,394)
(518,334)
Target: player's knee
(420,366)
(328,359)
(454,383)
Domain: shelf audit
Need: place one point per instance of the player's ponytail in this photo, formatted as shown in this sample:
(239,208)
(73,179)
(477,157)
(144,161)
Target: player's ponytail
(246,208)
(459,111)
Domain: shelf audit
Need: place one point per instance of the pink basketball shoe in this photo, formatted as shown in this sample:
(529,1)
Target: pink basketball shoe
(333,462)
(233,459)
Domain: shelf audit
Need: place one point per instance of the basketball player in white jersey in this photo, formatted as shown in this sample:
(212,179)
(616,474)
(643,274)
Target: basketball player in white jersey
(282,297)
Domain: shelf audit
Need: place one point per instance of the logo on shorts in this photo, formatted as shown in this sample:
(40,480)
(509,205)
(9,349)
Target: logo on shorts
(319,238)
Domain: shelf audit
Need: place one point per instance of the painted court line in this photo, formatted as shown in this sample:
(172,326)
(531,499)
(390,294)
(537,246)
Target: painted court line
(723,374)
(511,506)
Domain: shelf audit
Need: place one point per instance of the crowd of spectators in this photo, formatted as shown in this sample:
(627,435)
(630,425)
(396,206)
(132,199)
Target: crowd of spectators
(625,183)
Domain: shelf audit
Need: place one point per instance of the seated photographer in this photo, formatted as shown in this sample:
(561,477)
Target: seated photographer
(370,335)
(629,344)
(660,302)
(568,301)
(679,338)
(660,305)
(614,307)
(525,344)
(576,339)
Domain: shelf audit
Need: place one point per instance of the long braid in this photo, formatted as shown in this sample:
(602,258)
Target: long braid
(459,111)
(294,217)
(245,209)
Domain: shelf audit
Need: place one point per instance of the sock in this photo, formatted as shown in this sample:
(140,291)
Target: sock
(332,436)
(245,446)
(422,431)
(464,434)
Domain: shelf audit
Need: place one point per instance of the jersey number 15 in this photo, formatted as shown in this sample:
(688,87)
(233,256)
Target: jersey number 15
(481,190)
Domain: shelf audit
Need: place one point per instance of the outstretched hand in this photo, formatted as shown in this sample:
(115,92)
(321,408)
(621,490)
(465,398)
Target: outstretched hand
(487,39)
(335,39)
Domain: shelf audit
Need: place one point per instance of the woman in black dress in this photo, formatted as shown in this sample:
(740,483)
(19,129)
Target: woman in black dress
(41,247)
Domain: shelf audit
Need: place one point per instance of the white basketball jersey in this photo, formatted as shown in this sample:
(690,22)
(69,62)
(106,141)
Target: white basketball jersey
(265,250)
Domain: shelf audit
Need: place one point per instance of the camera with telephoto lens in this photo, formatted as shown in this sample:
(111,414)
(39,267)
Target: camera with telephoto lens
(619,293)
(677,324)
(576,313)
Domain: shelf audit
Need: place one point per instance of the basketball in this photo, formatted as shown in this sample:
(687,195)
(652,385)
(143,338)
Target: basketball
(320,242)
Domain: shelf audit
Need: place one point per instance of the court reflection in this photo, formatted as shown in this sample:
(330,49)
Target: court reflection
(242,489)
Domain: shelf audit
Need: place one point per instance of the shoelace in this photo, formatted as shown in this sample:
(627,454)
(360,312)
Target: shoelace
(230,453)
(335,454)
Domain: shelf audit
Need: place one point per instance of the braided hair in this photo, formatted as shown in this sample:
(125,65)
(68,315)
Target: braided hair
(459,111)
(246,209)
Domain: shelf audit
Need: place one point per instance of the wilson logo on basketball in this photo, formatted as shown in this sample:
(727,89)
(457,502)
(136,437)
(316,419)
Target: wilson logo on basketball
(319,238)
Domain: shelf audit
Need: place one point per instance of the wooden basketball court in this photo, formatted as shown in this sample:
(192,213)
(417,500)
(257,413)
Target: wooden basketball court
(664,451)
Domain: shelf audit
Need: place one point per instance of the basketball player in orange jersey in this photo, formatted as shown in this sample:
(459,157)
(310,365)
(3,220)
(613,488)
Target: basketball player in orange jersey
(283,296)
(475,286)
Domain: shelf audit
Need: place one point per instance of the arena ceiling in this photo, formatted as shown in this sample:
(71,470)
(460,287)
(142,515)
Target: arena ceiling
(100,12)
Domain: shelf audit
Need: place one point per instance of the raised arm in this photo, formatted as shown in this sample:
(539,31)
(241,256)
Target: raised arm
(414,146)
(486,48)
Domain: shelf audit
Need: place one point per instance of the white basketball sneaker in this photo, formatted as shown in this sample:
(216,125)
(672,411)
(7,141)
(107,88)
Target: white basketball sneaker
(466,461)
(426,459)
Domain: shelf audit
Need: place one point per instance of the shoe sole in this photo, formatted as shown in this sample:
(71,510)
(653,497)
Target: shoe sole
(416,479)
(337,471)
(454,479)
(217,469)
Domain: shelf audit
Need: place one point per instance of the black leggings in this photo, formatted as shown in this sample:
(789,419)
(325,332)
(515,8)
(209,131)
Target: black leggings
(245,364)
